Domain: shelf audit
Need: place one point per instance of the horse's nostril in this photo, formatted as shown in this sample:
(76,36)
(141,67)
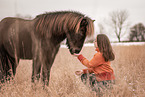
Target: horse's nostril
(77,51)
(72,51)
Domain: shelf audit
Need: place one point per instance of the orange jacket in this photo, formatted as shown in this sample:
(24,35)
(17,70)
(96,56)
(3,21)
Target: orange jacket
(98,66)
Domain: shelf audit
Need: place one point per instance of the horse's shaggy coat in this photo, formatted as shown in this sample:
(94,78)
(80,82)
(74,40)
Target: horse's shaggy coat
(39,39)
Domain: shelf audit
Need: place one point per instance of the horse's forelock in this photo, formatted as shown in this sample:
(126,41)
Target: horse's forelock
(90,27)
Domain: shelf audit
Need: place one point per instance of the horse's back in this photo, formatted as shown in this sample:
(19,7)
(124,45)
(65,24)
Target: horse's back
(10,22)
(15,33)
(6,22)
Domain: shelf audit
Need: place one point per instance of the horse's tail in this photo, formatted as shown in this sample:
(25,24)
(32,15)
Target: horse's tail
(7,65)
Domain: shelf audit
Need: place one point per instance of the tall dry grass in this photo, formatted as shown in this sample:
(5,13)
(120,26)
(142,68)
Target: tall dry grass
(128,66)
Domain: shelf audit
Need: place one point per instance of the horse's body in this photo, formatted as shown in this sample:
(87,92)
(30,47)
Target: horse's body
(39,39)
(17,37)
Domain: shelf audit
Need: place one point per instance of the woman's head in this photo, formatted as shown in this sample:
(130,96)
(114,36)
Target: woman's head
(105,47)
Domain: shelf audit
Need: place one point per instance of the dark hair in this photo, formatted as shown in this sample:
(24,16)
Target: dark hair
(105,47)
(59,21)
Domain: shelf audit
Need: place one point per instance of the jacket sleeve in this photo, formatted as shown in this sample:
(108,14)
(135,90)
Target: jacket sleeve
(94,62)
(88,70)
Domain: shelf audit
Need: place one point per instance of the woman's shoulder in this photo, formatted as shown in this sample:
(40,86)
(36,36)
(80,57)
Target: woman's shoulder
(98,54)
(98,57)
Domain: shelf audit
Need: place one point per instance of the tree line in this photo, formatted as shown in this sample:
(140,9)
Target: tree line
(119,24)
(137,32)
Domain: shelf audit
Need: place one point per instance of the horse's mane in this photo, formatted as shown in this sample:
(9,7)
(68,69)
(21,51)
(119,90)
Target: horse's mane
(61,21)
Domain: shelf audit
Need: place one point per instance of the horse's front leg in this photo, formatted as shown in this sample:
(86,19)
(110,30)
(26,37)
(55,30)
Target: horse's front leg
(49,59)
(42,64)
(46,73)
(37,61)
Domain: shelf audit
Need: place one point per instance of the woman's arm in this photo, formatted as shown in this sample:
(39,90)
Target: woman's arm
(95,61)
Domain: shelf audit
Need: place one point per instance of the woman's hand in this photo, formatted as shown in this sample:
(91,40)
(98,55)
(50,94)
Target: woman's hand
(76,55)
(79,73)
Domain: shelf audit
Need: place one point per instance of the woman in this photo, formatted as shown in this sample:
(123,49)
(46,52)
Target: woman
(99,72)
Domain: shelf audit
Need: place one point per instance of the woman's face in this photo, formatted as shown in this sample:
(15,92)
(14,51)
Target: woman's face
(95,43)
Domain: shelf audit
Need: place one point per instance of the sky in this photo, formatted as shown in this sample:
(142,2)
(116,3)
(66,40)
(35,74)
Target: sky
(97,10)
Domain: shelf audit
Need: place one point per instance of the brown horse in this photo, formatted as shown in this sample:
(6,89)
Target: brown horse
(39,39)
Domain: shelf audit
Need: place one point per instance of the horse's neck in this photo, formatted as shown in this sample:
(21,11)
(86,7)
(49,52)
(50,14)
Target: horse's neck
(57,39)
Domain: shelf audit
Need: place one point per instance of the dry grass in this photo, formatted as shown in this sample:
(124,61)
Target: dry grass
(129,68)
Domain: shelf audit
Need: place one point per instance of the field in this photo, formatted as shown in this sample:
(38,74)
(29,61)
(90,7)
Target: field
(128,66)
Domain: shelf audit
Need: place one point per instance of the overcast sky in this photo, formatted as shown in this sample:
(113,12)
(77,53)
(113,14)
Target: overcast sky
(95,9)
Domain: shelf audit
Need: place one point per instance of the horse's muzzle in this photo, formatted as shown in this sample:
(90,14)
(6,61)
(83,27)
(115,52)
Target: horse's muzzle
(73,50)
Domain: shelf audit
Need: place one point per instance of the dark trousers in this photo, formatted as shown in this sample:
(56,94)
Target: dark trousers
(98,86)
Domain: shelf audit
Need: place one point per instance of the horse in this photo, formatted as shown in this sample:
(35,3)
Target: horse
(39,40)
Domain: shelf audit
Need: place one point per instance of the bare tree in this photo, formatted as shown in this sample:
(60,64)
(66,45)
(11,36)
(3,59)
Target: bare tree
(137,32)
(118,22)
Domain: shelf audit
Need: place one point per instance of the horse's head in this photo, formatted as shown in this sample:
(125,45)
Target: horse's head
(66,24)
(76,37)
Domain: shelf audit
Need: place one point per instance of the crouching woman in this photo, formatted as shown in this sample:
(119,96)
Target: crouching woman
(99,74)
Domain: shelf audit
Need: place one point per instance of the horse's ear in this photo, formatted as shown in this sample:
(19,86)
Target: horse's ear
(87,25)
(83,23)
